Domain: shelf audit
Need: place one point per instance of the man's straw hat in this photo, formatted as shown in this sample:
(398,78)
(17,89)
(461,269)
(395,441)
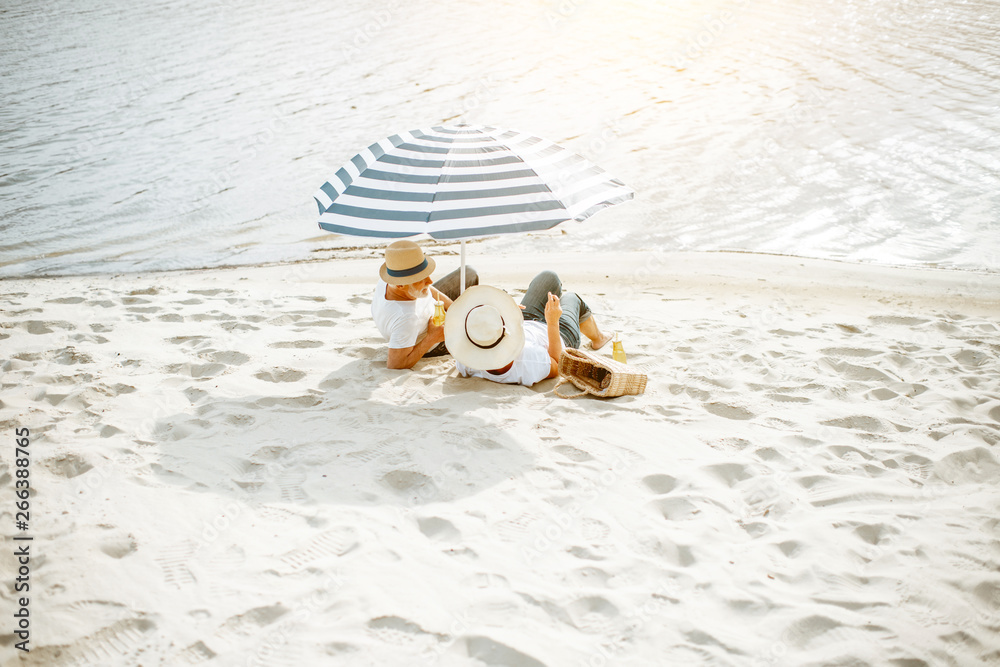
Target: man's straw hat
(405,264)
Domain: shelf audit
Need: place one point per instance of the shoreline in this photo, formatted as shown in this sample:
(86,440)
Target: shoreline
(450,248)
(722,276)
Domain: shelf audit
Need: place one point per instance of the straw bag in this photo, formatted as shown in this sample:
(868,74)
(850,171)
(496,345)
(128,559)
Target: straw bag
(597,375)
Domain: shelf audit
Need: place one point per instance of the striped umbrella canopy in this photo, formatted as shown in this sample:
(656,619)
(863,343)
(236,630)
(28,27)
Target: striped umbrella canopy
(461,182)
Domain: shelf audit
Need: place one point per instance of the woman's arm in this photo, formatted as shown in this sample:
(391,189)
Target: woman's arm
(553,311)
(441,296)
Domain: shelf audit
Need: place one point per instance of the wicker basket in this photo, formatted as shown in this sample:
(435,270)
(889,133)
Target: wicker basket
(597,375)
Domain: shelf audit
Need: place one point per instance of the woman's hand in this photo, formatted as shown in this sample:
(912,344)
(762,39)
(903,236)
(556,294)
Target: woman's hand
(553,310)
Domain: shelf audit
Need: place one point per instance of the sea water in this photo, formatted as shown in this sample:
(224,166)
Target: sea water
(179,134)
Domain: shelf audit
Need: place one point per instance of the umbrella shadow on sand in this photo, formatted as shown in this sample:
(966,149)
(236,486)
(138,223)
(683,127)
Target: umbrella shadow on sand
(363,435)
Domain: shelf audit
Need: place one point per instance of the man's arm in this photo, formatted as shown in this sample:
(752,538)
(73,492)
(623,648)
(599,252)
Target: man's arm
(553,311)
(406,357)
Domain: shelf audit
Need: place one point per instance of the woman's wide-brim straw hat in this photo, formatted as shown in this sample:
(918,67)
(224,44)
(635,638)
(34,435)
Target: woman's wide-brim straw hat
(484,328)
(405,264)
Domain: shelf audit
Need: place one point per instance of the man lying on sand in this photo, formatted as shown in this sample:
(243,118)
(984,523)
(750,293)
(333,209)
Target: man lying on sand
(403,303)
(485,329)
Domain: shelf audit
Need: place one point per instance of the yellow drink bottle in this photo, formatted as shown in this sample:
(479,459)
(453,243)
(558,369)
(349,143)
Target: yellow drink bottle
(438,313)
(617,351)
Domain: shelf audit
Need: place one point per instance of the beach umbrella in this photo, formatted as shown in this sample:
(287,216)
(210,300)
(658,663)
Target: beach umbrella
(462,182)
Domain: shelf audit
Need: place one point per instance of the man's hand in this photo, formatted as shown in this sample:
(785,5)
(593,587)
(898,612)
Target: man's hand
(553,309)
(435,334)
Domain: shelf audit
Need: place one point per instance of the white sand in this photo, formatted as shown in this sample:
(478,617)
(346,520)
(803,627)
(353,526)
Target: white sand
(227,474)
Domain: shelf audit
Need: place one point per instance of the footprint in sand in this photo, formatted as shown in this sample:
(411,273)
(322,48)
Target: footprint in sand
(67,465)
(330,544)
(124,640)
(661,484)
(230,357)
(791,548)
(876,533)
(806,632)
(896,320)
(38,327)
(593,614)
(438,529)
(237,628)
(119,544)
(572,453)
(364,352)
(850,352)
(284,319)
(188,341)
(591,577)
(516,529)
(289,403)
(883,394)
(401,632)
(84,338)
(406,480)
(280,375)
(848,453)
(492,653)
(676,509)
(329,313)
(240,420)
(594,530)
(730,474)
(70,356)
(854,372)
(233,326)
(291,489)
(858,423)
(173,562)
(135,301)
(198,371)
(194,654)
(103,303)
(546,429)
(296,344)
(787,398)
(210,292)
(214,316)
(729,411)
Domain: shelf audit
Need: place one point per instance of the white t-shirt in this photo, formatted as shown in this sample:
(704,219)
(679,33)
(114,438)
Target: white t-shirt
(531,366)
(403,323)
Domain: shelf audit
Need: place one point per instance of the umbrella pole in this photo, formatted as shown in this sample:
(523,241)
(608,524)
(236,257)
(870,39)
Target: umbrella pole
(461,289)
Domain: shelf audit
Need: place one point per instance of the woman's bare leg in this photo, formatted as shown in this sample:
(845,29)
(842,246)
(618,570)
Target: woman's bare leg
(589,328)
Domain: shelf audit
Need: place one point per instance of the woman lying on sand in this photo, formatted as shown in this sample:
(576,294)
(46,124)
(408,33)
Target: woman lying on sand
(486,329)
